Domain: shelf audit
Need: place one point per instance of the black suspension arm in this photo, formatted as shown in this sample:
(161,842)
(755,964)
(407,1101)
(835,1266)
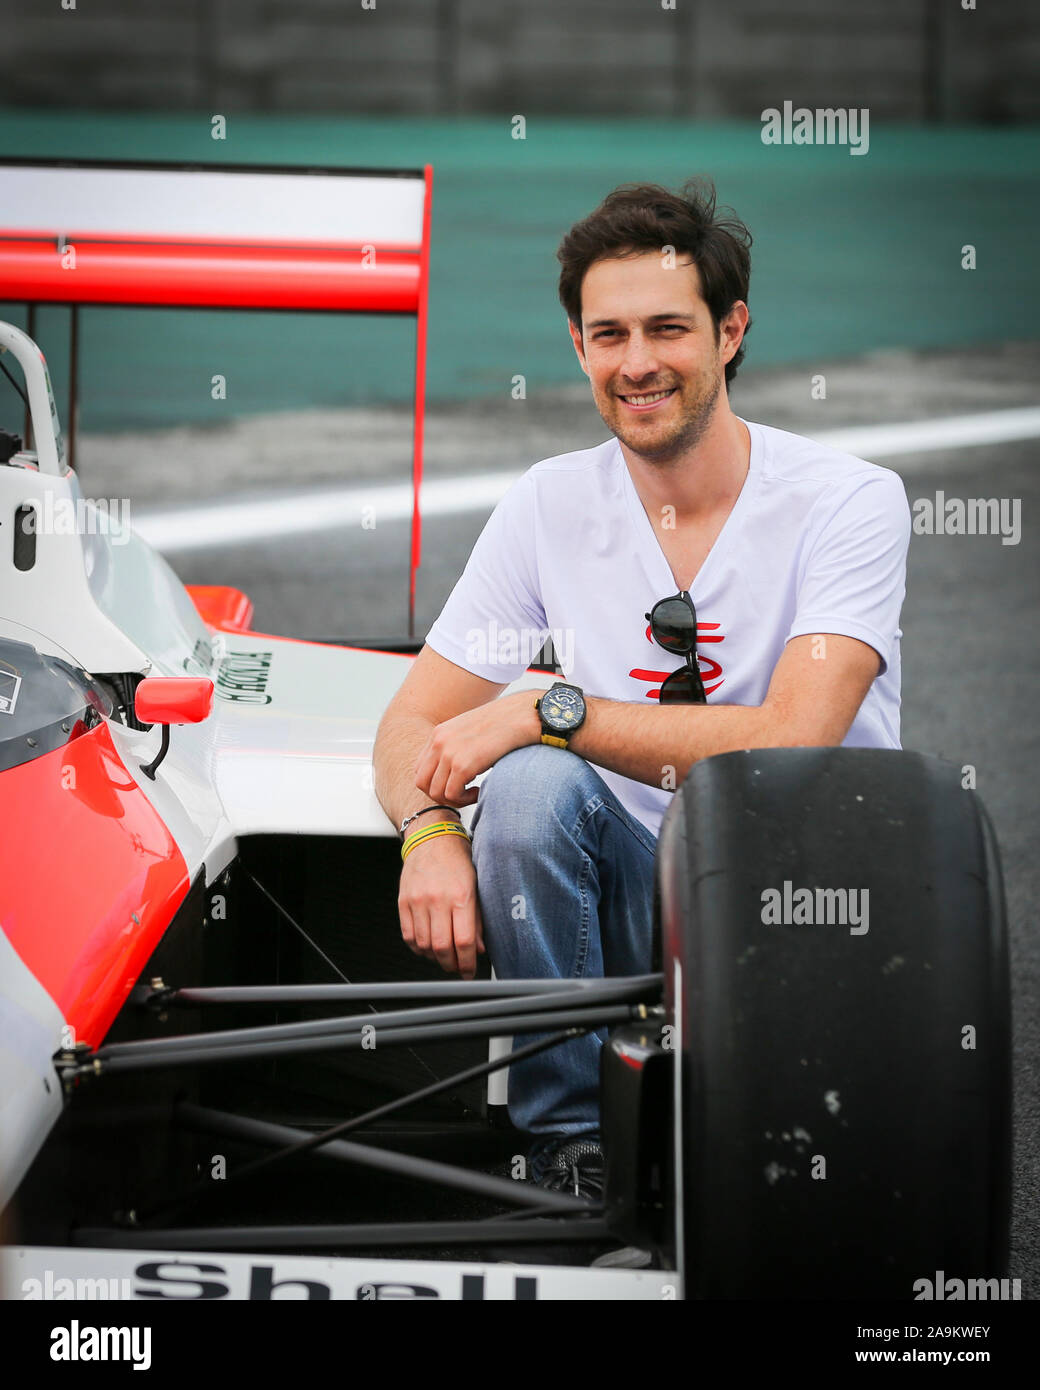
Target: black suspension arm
(201,1053)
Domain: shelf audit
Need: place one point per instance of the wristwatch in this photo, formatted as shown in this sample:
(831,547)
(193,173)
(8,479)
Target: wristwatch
(562,712)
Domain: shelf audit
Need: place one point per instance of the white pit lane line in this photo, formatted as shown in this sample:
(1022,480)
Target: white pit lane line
(239,522)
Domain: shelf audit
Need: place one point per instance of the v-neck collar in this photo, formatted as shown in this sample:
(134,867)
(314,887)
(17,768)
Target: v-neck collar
(648,547)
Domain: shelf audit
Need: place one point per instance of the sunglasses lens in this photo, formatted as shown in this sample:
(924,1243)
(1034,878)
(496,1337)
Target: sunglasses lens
(674,626)
(682,688)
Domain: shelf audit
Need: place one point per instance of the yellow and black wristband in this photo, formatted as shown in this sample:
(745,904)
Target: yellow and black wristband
(430,832)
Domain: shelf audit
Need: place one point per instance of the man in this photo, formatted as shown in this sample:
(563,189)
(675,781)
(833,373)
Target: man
(710,584)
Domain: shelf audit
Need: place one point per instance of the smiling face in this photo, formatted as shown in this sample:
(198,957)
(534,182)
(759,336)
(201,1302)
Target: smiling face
(650,349)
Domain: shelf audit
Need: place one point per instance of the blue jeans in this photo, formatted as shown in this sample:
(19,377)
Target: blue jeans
(565,881)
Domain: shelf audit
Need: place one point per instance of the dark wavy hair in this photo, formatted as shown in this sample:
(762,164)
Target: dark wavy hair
(646,217)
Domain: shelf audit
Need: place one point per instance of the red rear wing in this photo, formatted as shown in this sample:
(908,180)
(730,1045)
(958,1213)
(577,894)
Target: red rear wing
(221,236)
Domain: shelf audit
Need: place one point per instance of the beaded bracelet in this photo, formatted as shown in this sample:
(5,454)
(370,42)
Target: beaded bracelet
(431,832)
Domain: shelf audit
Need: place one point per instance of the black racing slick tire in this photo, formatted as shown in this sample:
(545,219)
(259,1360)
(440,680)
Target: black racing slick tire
(835,956)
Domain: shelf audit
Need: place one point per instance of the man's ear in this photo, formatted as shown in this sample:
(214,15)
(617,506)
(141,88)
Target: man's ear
(575,333)
(732,329)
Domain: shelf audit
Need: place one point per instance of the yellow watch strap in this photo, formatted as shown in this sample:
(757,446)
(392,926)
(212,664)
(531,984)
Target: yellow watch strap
(550,738)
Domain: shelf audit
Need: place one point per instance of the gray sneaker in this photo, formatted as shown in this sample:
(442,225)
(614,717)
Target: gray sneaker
(575,1166)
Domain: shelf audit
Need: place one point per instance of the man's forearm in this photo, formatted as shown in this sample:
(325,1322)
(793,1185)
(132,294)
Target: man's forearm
(399,741)
(816,688)
(659,744)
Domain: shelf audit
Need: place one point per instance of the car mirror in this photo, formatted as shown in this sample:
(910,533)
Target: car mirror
(173,699)
(170,700)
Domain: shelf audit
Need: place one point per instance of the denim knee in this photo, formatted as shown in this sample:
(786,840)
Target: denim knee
(531,790)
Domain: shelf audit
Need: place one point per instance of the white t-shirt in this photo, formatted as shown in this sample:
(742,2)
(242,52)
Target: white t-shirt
(816,543)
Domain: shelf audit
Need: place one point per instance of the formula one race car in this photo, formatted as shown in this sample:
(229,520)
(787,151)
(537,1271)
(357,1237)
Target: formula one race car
(223,1075)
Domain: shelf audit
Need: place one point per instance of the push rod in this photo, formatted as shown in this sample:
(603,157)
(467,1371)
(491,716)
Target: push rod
(428,1170)
(646,985)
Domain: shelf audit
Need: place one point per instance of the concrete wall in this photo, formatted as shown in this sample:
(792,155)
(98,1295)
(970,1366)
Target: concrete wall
(905,59)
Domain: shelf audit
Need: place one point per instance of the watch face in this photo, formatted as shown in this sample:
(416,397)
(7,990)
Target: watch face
(562,708)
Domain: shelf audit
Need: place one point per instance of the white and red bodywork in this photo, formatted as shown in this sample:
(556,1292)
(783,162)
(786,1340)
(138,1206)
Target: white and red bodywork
(96,857)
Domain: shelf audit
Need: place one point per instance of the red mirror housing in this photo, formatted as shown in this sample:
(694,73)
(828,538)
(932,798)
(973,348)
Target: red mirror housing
(173,699)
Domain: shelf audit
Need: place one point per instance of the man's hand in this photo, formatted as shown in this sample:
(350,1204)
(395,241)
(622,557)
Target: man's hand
(462,748)
(438,905)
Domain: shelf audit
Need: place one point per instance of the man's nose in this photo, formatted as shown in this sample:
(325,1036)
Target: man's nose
(639,360)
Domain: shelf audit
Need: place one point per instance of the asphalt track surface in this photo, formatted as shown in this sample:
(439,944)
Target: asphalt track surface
(971,660)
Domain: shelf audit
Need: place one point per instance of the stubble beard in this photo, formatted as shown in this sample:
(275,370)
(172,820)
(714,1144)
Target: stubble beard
(687,433)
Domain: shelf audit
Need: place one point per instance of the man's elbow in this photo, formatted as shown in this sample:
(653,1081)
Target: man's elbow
(784,726)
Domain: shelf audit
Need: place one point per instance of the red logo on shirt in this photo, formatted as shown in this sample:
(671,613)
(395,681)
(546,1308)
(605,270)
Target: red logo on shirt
(711,671)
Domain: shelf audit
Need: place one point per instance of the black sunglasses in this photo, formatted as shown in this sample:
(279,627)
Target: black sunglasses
(673,625)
